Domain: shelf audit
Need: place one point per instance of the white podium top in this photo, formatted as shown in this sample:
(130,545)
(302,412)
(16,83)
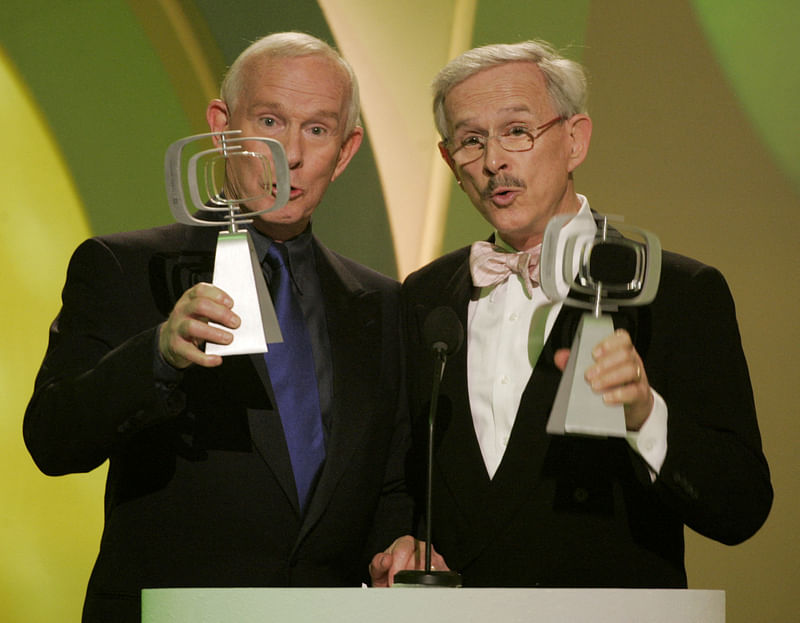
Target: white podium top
(443,605)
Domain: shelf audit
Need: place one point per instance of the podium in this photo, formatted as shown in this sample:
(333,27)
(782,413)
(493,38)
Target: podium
(396,605)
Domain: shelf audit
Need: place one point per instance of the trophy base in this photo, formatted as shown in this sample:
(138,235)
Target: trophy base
(238,272)
(577,409)
(429,579)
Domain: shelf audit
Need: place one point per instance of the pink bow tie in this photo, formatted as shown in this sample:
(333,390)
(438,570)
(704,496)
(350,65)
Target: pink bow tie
(490,265)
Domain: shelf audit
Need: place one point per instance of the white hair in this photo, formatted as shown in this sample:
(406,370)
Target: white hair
(288,45)
(565,79)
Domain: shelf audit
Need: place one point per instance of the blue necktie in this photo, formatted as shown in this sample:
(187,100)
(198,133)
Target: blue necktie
(294,381)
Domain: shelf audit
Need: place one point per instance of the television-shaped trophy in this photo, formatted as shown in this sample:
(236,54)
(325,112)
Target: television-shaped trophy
(234,171)
(599,271)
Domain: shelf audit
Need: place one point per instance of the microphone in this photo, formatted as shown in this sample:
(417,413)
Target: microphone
(443,332)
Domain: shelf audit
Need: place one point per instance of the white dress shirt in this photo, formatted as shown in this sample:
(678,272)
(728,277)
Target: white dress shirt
(502,349)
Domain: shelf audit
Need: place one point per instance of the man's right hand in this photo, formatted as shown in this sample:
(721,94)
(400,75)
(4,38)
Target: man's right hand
(182,335)
(405,553)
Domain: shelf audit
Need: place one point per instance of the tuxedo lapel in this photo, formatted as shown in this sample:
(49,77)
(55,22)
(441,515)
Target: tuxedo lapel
(354,327)
(244,375)
(520,470)
(488,505)
(266,430)
(457,455)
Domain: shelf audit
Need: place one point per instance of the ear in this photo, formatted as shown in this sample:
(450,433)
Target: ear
(217,116)
(449,160)
(580,134)
(348,150)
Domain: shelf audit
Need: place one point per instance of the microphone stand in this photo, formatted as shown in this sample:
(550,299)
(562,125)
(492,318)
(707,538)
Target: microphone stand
(428,577)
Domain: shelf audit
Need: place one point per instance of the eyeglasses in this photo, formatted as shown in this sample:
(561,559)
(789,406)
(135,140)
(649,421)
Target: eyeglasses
(516,138)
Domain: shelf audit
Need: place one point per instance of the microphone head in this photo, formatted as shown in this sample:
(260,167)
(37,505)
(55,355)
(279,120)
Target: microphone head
(443,331)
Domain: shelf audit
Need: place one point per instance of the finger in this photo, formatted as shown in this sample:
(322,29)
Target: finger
(210,310)
(620,339)
(437,562)
(211,292)
(197,330)
(182,338)
(402,558)
(379,570)
(186,330)
(405,556)
(617,343)
(619,375)
(616,372)
(180,349)
(190,345)
(205,302)
(395,558)
(616,363)
(633,394)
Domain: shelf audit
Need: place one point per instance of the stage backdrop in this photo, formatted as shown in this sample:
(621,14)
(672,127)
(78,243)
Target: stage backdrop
(696,138)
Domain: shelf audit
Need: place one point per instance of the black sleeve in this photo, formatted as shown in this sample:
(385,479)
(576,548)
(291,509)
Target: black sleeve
(715,475)
(97,384)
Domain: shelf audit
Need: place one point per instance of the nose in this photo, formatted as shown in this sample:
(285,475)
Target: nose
(293,146)
(495,158)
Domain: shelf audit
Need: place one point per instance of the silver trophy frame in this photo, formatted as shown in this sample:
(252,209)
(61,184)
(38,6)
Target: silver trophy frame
(237,270)
(566,267)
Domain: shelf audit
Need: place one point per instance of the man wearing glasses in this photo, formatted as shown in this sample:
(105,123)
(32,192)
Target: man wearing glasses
(512,505)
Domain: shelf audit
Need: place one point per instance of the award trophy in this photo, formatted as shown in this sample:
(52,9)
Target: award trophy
(607,270)
(236,267)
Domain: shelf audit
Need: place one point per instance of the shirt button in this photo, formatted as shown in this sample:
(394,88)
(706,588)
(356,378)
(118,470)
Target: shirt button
(504,380)
(513,316)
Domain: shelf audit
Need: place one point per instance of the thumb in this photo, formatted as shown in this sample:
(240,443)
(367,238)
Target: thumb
(561,356)
(379,569)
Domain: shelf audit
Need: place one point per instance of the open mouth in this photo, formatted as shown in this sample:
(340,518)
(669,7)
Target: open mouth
(294,192)
(504,196)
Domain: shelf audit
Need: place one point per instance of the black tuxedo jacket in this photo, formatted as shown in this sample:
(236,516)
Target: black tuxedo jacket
(200,491)
(583,512)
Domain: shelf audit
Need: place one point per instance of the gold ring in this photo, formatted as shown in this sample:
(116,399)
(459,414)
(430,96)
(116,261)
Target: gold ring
(638,373)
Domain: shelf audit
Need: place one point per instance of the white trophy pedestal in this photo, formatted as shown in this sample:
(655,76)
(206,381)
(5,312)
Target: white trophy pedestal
(577,410)
(238,272)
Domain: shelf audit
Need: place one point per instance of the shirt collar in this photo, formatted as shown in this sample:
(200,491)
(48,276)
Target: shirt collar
(299,248)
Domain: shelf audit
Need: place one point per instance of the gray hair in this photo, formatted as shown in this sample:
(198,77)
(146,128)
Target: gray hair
(565,79)
(290,45)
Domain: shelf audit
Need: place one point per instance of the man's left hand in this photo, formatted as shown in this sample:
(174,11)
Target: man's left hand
(619,375)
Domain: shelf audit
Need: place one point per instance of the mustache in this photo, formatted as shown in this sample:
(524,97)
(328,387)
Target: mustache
(504,181)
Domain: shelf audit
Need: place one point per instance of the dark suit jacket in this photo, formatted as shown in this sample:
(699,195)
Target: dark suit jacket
(200,491)
(582,512)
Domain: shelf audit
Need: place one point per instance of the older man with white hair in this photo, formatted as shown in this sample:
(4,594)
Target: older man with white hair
(513,505)
(276,470)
